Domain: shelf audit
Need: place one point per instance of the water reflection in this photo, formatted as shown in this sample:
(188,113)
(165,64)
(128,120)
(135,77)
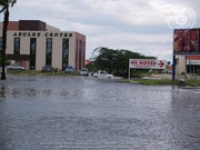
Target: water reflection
(2,91)
(20,93)
(184,118)
(85,110)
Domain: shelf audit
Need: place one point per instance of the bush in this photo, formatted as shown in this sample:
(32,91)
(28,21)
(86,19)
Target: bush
(139,73)
(198,71)
(183,73)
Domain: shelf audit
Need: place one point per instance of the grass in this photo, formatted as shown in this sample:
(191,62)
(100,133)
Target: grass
(187,83)
(193,82)
(156,82)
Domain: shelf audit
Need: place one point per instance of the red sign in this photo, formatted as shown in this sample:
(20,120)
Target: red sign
(147,64)
(186,41)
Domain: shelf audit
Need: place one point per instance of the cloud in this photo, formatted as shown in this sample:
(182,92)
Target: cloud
(137,25)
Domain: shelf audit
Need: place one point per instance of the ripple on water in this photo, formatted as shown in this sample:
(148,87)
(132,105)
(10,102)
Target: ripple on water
(62,109)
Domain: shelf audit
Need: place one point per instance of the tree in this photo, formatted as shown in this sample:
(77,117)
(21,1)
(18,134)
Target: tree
(115,61)
(5,4)
(6,63)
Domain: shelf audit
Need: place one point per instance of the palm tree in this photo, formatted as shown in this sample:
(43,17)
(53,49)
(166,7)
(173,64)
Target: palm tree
(4,4)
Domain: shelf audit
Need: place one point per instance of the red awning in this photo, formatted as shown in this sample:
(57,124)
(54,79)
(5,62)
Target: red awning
(193,57)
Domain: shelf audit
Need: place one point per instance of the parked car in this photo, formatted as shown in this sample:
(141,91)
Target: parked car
(47,68)
(15,67)
(69,69)
(102,74)
(84,72)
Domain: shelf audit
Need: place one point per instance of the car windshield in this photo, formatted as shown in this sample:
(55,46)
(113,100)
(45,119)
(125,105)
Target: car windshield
(69,67)
(103,72)
(47,66)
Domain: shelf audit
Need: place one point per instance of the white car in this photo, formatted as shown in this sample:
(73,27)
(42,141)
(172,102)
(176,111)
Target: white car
(69,69)
(84,72)
(101,74)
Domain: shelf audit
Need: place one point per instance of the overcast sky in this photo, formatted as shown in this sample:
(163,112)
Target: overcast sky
(143,26)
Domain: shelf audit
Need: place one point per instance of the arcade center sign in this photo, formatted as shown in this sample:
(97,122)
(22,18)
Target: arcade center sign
(147,64)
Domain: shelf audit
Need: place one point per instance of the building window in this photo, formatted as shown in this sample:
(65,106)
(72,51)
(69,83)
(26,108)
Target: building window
(77,54)
(65,35)
(24,33)
(16,46)
(80,54)
(65,53)
(46,34)
(1,44)
(33,46)
(48,51)
(83,53)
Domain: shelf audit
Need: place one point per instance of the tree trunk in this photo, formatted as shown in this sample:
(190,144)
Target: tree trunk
(4,42)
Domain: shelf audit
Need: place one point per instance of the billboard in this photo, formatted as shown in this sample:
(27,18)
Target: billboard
(186,41)
(147,64)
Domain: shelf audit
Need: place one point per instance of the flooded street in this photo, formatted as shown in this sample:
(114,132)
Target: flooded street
(44,112)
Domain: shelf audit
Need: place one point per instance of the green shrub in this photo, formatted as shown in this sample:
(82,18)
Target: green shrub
(198,71)
(183,73)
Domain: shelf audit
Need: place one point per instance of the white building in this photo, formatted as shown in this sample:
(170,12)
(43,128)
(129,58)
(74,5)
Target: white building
(33,44)
(187,63)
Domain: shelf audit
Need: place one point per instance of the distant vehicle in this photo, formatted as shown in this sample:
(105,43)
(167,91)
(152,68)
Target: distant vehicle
(167,71)
(47,68)
(84,72)
(69,69)
(15,67)
(102,74)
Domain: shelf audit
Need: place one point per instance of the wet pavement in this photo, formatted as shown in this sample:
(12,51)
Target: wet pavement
(66,113)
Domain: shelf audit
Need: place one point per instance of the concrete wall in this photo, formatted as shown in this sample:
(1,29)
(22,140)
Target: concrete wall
(181,65)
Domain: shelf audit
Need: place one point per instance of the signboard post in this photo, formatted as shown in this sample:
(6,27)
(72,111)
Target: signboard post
(146,64)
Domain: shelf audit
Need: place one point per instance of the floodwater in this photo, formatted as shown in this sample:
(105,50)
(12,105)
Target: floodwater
(65,113)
